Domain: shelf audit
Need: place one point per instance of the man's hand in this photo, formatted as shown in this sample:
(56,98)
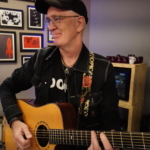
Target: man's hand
(22,135)
(95,145)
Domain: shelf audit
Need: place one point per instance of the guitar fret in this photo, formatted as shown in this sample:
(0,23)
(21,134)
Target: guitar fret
(70,138)
(138,140)
(112,139)
(131,139)
(52,137)
(116,139)
(81,139)
(63,131)
(49,136)
(77,137)
(73,138)
(86,138)
(121,139)
(66,137)
(55,135)
(68,133)
(147,140)
(57,139)
(126,140)
(143,141)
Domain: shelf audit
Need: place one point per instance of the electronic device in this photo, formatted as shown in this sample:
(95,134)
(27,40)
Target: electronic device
(122,77)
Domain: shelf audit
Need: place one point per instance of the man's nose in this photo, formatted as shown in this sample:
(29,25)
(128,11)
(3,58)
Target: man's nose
(52,26)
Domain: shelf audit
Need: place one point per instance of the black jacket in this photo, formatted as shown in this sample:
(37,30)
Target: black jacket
(38,72)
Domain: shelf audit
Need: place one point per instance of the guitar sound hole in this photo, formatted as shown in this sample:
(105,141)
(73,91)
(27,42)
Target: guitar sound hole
(42,136)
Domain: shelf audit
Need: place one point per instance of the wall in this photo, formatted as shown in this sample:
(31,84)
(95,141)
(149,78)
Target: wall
(122,27)
(7,68)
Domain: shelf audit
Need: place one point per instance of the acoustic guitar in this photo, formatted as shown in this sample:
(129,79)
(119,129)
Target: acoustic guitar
(54,124)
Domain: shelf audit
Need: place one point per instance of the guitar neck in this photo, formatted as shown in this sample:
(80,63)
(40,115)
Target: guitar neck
(129,140)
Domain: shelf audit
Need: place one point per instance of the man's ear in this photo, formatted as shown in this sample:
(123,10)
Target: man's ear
(80,23)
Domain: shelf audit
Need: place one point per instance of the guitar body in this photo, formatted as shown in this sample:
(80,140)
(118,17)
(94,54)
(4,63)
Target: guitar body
(50,116)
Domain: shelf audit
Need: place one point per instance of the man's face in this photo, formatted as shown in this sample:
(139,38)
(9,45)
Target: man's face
(65,32)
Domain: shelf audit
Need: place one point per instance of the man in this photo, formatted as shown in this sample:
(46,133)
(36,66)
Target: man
(67,72)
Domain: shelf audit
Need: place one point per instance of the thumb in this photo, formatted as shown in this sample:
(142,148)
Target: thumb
(27,133)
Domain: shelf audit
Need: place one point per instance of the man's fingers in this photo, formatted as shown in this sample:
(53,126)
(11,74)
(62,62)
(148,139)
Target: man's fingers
(106,144)
(94,141)
(27,133)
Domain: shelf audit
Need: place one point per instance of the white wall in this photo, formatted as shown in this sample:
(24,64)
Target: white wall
(122,27)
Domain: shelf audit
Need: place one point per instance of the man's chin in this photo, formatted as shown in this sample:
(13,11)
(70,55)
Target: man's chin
(56,43)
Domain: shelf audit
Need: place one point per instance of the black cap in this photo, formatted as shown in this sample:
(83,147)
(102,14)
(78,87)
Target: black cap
(75,5)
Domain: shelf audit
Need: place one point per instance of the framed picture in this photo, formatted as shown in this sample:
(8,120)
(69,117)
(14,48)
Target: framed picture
(27,0)
(3,0)
(11,18)
(25,58)
(7,46)
(35,20)
(49,37)
(30,42)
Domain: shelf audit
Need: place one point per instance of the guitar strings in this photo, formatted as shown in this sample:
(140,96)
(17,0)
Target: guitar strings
(85,136)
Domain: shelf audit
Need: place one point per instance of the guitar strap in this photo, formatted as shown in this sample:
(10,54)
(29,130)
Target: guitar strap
(86,87)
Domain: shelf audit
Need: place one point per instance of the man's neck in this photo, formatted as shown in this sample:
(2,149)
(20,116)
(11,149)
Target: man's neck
(70,54)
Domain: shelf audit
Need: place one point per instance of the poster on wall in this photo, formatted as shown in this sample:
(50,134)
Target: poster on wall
(7,46)
(35,20)
(11,18)
(31,42)
(50,37)
(27,0)
(25,58)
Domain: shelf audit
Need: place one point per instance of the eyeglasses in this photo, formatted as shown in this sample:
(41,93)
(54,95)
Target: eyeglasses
(56,20)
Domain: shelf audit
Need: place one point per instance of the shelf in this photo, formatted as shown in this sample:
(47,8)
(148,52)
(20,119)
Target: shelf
(137,81)
(136,94)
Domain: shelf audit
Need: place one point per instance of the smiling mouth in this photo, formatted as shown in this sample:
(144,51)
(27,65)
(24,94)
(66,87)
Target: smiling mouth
(55,35)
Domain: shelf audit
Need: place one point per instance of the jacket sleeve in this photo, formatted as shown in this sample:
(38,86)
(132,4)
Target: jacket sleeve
(109,106)
(19,81)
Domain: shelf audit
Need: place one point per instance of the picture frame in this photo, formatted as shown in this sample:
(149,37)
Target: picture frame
(11,18)
(4,1)
(31,42)
(27,0)
(49,37)
(25,58)
(35,20)
(8,46)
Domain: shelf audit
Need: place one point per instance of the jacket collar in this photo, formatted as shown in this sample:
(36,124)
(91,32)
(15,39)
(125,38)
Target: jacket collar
(82,63)
(83,60)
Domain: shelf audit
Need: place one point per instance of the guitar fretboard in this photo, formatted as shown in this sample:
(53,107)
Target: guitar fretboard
(129,140)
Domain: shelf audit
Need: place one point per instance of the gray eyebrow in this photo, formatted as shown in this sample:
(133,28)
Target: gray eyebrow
(51,16)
